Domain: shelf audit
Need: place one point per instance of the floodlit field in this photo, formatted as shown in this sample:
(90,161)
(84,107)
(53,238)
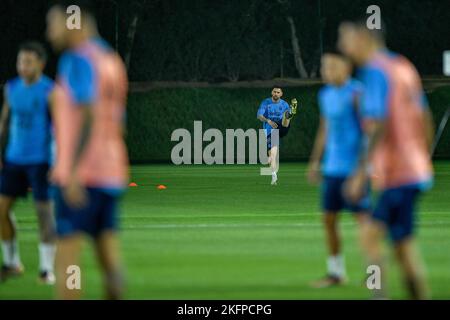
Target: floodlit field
(223,232)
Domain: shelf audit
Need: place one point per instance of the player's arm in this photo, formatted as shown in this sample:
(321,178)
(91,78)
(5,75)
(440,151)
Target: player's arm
(84,87)
(74,192)
(316,155)
(84,135)
(81,79)
(270,122)
(260,116)
(4,119)
(375,130)
(373,109)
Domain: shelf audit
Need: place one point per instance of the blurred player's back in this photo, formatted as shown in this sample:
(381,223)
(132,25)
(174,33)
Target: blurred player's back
(402,157)
(104,162)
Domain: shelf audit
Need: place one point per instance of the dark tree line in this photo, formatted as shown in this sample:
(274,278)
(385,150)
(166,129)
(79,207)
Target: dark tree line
(231,40)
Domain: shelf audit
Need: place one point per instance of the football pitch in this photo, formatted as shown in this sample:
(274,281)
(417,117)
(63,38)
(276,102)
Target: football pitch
(222,232)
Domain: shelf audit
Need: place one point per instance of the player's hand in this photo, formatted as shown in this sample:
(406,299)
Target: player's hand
(272,124)
(313,172)
(75,194)
(354,188)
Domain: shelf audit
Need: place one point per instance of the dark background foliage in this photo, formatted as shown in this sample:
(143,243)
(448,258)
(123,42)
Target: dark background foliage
(230,40)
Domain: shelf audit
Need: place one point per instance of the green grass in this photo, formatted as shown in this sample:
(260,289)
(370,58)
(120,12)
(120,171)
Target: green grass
(223,232)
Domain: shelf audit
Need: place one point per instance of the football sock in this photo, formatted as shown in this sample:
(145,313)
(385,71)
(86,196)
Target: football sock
(46,257)
(274,178)
(11,256)
(336,266)
(6,253)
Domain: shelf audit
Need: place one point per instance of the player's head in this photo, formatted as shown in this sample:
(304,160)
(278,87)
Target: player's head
(359,42)
(31,60)
(63,30)
(277,93)
(335,68)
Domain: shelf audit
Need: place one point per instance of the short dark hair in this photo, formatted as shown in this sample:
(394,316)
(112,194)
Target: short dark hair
(378,34)
(35,47)
(277,86)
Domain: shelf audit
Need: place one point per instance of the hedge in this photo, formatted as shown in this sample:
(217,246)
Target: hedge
(152,116)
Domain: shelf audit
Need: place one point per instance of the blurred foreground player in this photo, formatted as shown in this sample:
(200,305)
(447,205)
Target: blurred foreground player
(26,120)
(276,114)
(335,156)
(399,130)
(91,167)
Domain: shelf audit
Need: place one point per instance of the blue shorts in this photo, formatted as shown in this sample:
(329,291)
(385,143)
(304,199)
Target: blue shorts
(15,180)
(282,132)
(100,214)
(395,209)
(333,199)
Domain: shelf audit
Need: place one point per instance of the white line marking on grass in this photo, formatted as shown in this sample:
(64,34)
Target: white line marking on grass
(224,225)
(251,225)
(253,215)
(238,225)
(195,216)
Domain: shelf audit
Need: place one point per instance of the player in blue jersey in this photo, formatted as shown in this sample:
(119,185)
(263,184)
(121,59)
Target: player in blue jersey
(335,156)
(276,114)
(26,120)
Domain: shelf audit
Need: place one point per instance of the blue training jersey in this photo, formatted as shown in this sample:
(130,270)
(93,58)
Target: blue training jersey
(377,88)
(30,134)
(78,73)
(273,111)
(343,128)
